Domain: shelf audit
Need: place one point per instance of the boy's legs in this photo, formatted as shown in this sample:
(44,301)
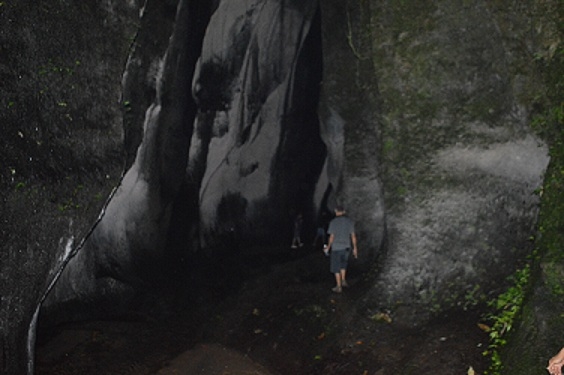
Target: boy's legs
(343,275)
(338,279)
(339,287)
(339,267)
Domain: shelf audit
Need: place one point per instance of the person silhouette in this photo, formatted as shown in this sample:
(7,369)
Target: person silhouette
(321,231)
(297,239)
(341,236)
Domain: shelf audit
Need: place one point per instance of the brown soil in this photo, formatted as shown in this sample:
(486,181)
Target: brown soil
(279,317)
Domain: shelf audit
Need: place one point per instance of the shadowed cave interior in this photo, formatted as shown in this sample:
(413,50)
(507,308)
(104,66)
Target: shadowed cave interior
(188,283)
(271,303)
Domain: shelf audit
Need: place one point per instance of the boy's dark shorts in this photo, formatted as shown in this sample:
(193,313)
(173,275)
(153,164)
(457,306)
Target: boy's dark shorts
(339,260)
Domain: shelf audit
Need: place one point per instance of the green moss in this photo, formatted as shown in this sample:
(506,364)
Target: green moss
(541,338)
(553,276)
(505,310)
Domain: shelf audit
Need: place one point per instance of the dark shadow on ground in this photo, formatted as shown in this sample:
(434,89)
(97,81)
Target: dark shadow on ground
(276,310)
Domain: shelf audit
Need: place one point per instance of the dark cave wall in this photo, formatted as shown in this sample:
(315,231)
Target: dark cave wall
(142,70)
(536,333)
(256,149)
(349,112)
(421,131)
(127,251)
(61,148)
(131,250)
(460,162)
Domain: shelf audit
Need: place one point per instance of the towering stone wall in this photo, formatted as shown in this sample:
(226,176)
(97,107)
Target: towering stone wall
(460,162)
(239,114)
(257,146)
(61,151)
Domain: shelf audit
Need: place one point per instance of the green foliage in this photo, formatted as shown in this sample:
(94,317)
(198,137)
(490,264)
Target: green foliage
(19,186)
(548,123)
(52,67)
(69,203)
(504,311)
(127,106)
(473,298)
(314,311)
(553,276)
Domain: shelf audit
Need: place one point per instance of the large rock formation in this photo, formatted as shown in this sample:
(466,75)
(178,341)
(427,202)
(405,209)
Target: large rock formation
(349,110)
(61,148)
(460,163)
(127,249)
(240,114)
(257,151)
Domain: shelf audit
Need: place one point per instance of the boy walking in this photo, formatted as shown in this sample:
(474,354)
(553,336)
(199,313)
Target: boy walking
(341,236)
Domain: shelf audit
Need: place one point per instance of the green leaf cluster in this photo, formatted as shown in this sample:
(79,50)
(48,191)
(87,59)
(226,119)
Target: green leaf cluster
(504,311)
(548,123)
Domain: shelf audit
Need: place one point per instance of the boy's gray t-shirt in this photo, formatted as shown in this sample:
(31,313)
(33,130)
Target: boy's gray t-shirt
(341,227)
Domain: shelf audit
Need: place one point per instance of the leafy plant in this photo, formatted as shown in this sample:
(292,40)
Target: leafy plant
(505,309)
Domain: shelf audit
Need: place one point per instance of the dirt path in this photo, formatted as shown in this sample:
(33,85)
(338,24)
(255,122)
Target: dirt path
(212,359)
(279,319)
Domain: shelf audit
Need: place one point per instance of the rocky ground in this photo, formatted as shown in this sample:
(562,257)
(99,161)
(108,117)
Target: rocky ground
(275,315)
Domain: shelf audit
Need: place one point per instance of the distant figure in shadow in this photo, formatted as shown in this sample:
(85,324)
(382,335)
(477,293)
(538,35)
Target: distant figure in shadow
(555,363)
(321,231)
(298,224)
(341,236)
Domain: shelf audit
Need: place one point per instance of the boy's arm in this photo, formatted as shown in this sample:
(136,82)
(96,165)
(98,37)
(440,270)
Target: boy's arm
(330,242)
(327,247)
